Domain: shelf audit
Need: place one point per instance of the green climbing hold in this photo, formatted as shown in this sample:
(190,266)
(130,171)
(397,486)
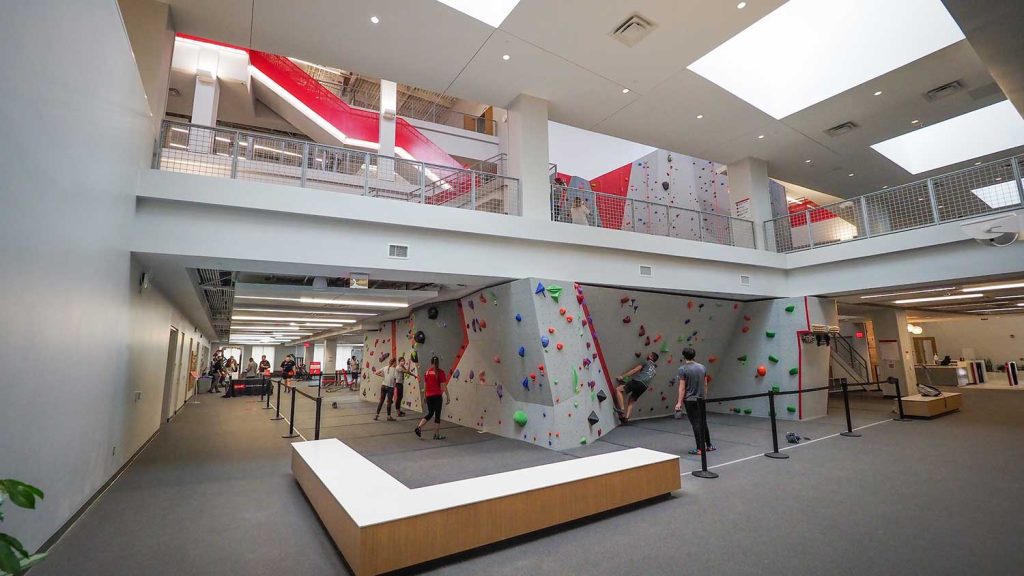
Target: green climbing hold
(742,358)
(583,439)
(575,381)
(770,334)
(773,359)
(555,292)
(794,371)
(790,308)
(575,404)
(664,347)
(748,411)
(790,408)
(776,389)
(736,410)
(519,418)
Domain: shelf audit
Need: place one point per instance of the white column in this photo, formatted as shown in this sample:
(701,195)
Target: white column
(386,138)
(205,102)
(890,325)
(330,355)
(749,195)
(527,144)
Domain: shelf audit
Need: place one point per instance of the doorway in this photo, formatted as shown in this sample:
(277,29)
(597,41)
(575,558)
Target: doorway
(924,349)
(167,409)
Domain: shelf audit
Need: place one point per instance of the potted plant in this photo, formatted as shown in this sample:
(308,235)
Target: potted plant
(14,559)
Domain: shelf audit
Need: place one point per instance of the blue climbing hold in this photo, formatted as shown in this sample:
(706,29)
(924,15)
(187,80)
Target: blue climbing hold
(519,318)
(526,383)
(456,374)
(544,341)
(471,305)
(522,351)
(540,289)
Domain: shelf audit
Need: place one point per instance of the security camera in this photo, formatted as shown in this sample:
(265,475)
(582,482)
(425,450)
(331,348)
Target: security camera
(999,231)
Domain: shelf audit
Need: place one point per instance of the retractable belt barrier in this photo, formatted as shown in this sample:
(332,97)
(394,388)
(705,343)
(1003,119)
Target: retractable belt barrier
(317,400)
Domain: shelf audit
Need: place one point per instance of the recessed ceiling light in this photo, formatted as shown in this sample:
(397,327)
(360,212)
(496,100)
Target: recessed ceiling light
(625,90)
(937,298)
(977,163)
(760,137)
(374,20)
(850,174)
(878,93)
(492,12)
(995,287)
(914,121)
(884,187)
(808,161)
(505,57)
(908,292)
(769,66)
(984,131)
(741,5)
(699,116)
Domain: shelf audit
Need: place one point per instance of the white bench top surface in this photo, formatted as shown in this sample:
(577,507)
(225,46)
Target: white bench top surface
(371,496)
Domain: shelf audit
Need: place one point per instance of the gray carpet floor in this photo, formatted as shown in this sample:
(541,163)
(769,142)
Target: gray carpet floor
(213,495)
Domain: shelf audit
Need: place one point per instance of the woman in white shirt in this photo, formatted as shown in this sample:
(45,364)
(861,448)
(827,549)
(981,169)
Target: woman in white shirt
(580,212)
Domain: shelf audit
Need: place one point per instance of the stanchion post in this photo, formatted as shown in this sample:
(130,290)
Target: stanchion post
(703,472)
(316,430)
(849,423)
(278,403)
(775,433)
(291,418)
(899,401)
(267,383)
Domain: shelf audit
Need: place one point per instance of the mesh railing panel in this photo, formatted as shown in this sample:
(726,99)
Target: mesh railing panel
(589,208)
(222,153)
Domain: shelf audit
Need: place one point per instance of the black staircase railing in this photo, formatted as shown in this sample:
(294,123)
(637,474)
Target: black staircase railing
(850,360)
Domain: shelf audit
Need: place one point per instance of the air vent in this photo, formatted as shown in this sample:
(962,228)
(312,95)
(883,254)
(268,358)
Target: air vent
(943,91)
(633,30)
(841,129)
(646,270)
(744,280)
(398,251)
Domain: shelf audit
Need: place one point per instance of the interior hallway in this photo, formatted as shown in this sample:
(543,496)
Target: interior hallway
(213,495)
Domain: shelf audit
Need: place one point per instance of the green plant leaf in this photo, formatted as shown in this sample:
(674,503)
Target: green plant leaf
(9,562)
(32,561)
(14,544)
(21,494)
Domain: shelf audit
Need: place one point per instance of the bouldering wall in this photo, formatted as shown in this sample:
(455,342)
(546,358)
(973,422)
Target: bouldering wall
(443,336)
(378,347)
(405,344)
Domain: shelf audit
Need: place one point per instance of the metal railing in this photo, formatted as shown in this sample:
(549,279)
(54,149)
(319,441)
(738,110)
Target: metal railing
(453,118)
(241,155)
(622,213)
(850,359)
(975,191)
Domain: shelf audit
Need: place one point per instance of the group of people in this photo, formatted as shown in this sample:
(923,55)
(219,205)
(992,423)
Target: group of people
(221,371)
(435,391)
(692,385)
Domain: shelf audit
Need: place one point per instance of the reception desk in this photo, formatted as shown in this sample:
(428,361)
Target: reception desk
(941,375)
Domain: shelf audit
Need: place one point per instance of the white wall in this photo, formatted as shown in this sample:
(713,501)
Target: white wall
(587,154)
(999,338)
(151,33)
(77,132)
(457,141)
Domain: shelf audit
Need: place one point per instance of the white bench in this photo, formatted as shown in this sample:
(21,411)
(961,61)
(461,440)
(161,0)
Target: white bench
(380,525)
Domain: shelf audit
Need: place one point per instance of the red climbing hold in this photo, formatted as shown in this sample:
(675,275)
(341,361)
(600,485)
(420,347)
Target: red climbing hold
(747,318)
(559,346)
(551,329)
(540,367)
(657,338)
(624,300)
(689,304)
(483,324)
(533,376)
(712,359)
(561,311)
(642,332)
(627,320)
(568,319)
(761,370)
(745,329)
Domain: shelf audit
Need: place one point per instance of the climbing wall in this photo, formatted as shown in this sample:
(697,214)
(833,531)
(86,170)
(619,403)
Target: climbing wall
(404,346)
(377,349)
(443,336)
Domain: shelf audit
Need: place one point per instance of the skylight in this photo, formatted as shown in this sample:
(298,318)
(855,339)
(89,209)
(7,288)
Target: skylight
(983,131)
(807,51)
(491,12)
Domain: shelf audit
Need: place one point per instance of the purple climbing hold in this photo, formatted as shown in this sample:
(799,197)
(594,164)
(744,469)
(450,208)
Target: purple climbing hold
(456,373)
(470,303)
(501,392)
(471,374)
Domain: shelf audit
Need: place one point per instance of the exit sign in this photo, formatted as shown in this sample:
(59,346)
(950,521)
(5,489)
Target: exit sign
(859,334)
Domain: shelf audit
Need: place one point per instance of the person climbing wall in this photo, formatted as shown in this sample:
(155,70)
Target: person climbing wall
(635,382)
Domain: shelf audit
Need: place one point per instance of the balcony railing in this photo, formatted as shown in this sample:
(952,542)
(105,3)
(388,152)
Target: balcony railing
(241,155)
(976,191)
(622,213)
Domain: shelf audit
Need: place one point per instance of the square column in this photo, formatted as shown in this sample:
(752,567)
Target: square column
(527,146)
(330,355)
(387,123)
(750,196)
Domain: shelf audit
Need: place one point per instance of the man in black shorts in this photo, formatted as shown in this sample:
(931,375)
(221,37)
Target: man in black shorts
(634,382)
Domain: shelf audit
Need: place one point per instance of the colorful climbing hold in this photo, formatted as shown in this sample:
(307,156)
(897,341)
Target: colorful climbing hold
(790,308)
(742,358)
(539,289)
(712,359)
(519,317)
(761,370)
(794,371)
(497,359)
(745,329)
(575,380)
(551,329)
(583,439)
(627,320)
(561,311)
(748,411)
(559,346)
(526,383)
(773,359)
(790,408)
(555,291)
(519,418)
(568,319)
(522,351)
(770,334)
(544,341)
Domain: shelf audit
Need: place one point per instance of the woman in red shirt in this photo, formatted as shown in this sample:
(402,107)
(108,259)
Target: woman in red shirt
(435,385)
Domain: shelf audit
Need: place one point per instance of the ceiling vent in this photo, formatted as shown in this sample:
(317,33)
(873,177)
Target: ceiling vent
(841,129)
(633,30)
(943,91)
(744,280)
(398,251)
(646,270)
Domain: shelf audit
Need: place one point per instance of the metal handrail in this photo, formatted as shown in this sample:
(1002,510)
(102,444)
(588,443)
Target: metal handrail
(298,162)
(844,350)
(872,214)
(705,232)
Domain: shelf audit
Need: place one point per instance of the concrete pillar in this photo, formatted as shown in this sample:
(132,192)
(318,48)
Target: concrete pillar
(895,349)
(151,34)
(749,194)
(527,145)
(205,102)
(386,138)
(331,355)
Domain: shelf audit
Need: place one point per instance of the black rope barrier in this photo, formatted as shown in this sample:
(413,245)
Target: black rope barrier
(291,416)
(899,400)
(846,406)
(704,472)
(277,405)
(774,454)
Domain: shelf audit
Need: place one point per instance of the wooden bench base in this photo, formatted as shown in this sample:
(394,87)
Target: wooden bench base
(931,406)
(436,521)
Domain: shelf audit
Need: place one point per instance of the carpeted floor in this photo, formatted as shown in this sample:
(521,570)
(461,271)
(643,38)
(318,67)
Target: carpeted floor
(213,495)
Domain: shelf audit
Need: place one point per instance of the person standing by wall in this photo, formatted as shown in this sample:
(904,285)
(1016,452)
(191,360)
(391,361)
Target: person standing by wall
(693,386)
(387,387)
(435,385)
(580,212)
(264,364)
(288,369)
(403,370)
(216,371)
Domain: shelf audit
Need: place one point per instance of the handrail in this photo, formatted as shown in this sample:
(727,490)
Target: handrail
(621,213)
(245,155)
(982,189)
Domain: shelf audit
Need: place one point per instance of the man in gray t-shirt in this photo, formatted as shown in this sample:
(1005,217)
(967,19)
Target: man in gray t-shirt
(693,387)
(635,382)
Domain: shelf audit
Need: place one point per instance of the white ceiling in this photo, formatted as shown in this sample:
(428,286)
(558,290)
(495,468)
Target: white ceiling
(989,299)
(561,51)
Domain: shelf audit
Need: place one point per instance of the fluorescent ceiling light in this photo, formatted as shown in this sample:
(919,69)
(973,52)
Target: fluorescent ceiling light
(909,292)
(336,302)
(995,310)
(807,51)
(292,311)
(289,319)
(984,131)
(994,287)
(490,12)
(938,298)
(1009,297)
